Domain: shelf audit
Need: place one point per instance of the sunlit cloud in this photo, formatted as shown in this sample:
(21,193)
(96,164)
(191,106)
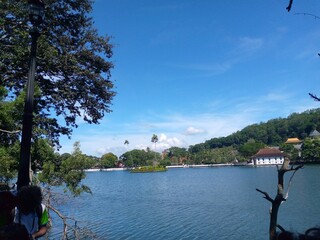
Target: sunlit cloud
(182,130)
(194,131)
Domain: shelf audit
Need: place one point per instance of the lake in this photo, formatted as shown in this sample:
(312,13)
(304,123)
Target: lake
(193,203)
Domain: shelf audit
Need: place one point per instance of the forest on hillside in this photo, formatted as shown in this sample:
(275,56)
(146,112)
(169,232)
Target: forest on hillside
(273,133)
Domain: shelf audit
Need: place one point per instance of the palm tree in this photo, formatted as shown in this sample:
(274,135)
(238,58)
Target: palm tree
(126,142)
(154,139)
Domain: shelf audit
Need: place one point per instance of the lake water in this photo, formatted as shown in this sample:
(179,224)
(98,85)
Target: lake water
(193,203)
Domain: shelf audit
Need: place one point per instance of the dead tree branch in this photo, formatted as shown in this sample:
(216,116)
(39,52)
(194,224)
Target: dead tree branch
(280,197)
(289,5)
(266,195)
(70,224)
(314,97)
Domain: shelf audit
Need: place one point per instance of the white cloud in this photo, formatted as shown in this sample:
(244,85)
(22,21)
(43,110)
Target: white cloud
(194,131)
(184,130)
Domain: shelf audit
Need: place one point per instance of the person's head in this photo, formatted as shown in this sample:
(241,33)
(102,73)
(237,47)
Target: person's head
(7,201)
(29,197)
(14,231)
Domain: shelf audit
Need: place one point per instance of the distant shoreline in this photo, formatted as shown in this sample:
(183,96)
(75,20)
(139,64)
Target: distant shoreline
(188,166)
(173,166)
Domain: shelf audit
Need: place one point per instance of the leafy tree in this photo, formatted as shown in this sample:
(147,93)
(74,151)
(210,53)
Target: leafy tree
(72,75)
(69,173)
(9,126)
(108,160)
(42,151)
(310,150)
(291,151)
(138,157)
(154,139)
(8,166)
(250,148)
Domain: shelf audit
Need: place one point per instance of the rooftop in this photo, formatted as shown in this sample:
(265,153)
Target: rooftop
(269,152)
(293,140)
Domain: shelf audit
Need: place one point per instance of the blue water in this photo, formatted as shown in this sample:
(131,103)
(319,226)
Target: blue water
(194,203)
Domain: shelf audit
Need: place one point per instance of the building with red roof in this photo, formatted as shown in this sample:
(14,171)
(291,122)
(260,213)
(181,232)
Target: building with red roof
(268,156)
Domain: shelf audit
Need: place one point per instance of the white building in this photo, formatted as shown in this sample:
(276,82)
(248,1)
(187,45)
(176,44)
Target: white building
(268,156)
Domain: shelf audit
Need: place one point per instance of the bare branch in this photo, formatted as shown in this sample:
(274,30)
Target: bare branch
(290,5)
(295,169)
(308,14)
(266,195)
(314,97)
(281,228)
(10,132)
(64,219)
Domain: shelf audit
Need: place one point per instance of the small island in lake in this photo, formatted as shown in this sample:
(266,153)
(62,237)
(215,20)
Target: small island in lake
(145,169)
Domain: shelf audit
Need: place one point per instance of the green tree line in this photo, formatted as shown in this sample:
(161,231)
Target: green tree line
(240,146)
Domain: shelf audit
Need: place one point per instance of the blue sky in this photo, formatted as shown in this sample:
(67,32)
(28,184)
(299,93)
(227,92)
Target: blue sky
(191,70)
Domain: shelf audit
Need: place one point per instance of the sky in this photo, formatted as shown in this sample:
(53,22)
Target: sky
(192,70)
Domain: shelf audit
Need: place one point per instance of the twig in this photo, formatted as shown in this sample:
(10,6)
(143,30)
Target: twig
(266,195)
(314,97)
(290,5)
(308,14)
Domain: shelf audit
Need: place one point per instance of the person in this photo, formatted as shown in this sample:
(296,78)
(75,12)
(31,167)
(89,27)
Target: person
(8,202)
(30,211)
(14,231)
(310,234)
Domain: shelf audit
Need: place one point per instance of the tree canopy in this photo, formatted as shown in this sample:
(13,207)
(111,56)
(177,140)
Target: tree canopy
(73,71)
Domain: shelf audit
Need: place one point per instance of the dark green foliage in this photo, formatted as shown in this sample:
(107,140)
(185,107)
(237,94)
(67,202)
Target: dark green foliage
(138,157)
(8,166)
(72,75)
(311,150)
(108,160)
(68,172)
(145,169)
(250,148)
(272,133)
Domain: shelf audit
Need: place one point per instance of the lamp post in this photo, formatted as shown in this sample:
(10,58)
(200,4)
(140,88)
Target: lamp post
(36,12)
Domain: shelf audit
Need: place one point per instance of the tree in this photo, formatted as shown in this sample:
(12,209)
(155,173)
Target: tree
(250,148)
(281,196)
(154,139)
(69,172)
(108,160)
(310,150)
(73,75)
(8,166)
(9,126)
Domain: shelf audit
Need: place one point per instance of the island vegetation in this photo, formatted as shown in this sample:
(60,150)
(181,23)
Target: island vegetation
(145,169)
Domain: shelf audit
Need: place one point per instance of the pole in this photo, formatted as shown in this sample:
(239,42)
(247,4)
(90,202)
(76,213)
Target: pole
(25,149)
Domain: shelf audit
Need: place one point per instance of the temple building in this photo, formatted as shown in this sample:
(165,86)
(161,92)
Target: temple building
(268,156)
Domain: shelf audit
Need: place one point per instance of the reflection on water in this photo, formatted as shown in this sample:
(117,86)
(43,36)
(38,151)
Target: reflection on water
(206,203)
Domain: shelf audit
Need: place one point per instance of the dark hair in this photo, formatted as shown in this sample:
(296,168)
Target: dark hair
(310,234)
(14,231)
(29,197)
